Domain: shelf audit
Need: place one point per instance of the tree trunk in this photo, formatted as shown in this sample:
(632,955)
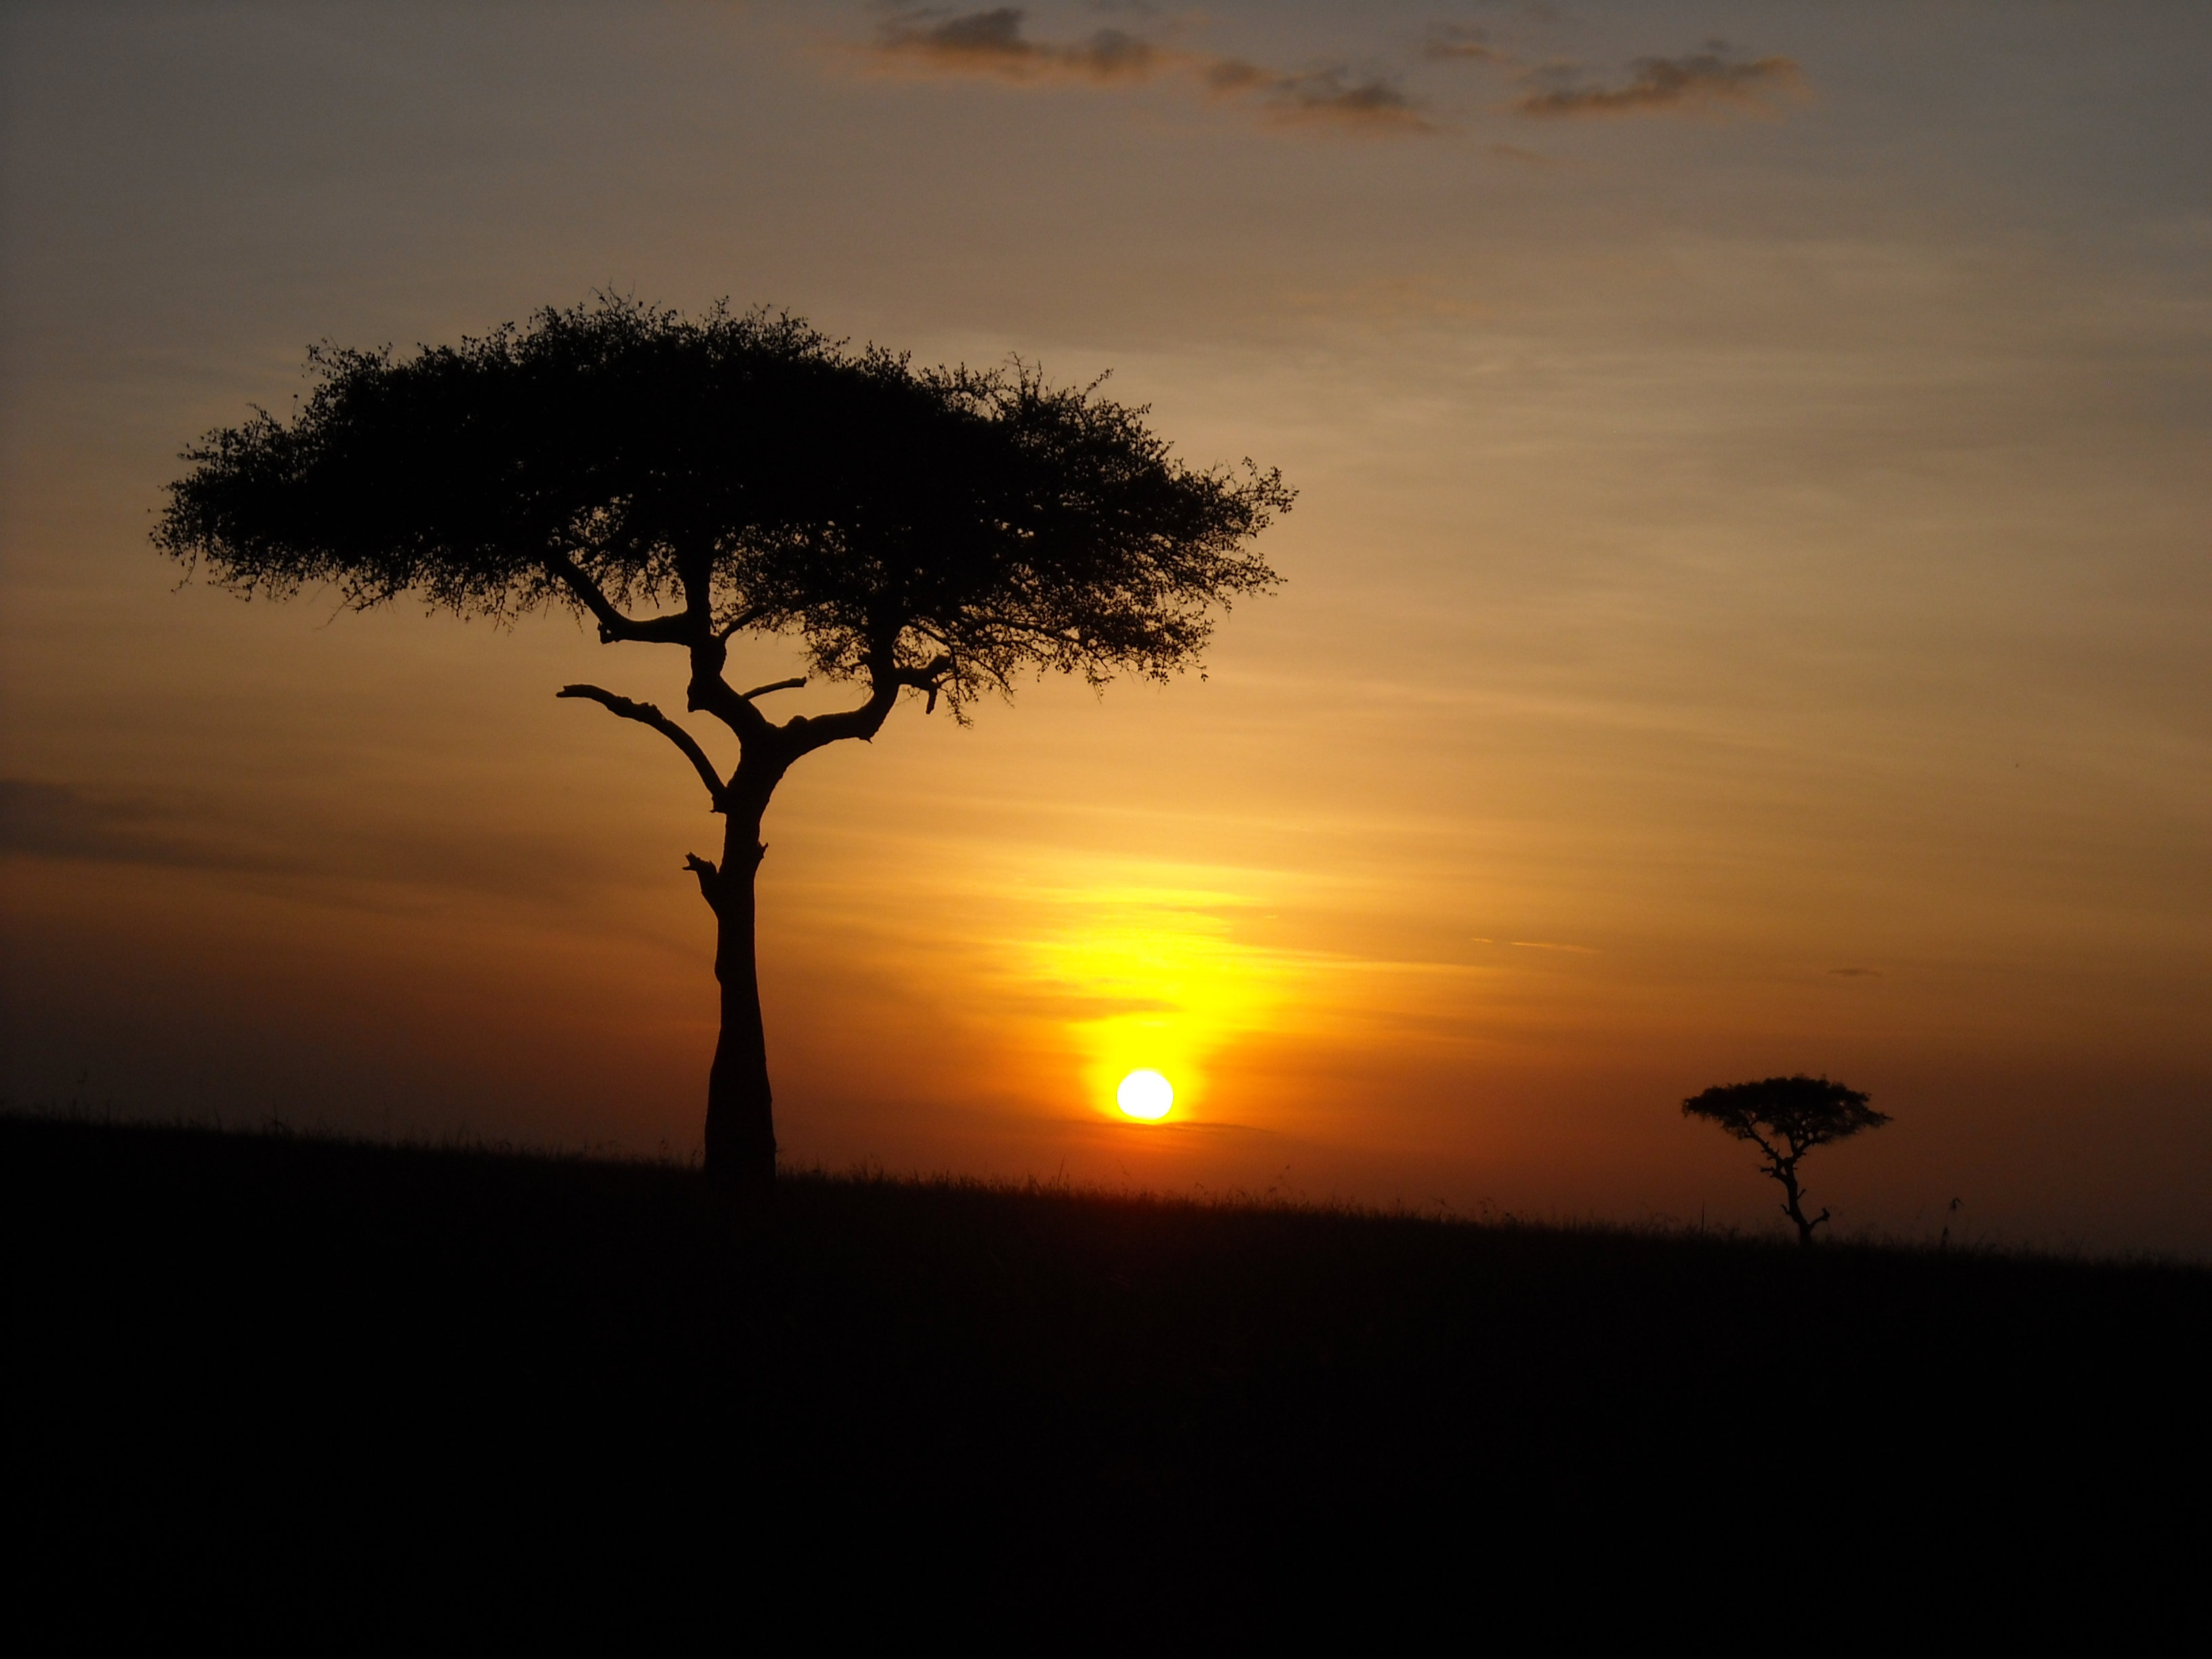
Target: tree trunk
(740,1112)
(1786,1174)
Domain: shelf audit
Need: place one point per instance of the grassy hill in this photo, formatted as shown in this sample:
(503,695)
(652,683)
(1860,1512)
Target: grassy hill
(325,1331)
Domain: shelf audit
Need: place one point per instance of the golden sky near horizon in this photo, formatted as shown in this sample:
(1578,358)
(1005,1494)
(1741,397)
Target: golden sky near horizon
(1748,608)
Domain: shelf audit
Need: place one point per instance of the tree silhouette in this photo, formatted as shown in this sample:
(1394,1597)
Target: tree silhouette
(937,532)
(1786,1117)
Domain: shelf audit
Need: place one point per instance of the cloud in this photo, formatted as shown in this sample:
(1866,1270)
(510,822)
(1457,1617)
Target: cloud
(995,43)
(173,830)
(1707,81)
(1453,44)
(991,43)
(54,820)
(1332,95)
(1854,973)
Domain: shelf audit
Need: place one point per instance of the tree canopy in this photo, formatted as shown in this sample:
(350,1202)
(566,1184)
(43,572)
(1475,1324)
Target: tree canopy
(1798,1112)
(948,527)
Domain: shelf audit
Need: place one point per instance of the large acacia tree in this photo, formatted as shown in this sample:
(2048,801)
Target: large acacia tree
(933,533)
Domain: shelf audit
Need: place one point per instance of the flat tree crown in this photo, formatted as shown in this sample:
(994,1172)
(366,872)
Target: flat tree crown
(1802,1112)
(943,528)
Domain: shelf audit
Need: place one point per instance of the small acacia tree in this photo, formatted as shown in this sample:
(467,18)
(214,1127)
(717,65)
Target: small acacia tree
(926,532)
(1786,1117)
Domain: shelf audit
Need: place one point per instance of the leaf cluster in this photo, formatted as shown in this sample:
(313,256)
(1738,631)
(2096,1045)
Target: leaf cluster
(1799,1112)
(749,471)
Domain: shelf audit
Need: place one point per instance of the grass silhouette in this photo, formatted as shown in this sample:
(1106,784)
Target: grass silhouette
(472,1339)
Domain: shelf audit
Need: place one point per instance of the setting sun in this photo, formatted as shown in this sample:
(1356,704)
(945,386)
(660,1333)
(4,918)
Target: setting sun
(1147,1095)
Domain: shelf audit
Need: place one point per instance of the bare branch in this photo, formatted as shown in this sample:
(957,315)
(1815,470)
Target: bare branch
(646,715)
(710,880)
(806,733)
(677,630)
(929,679)
(743,619)
(778,685)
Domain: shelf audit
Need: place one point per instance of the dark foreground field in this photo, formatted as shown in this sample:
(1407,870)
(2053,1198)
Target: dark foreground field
(264,1341)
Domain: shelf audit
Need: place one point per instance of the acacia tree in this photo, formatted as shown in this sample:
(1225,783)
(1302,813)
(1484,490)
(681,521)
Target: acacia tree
(1786,1117)
(935,533)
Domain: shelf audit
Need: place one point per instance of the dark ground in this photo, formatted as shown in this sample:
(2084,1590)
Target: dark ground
(280,1345)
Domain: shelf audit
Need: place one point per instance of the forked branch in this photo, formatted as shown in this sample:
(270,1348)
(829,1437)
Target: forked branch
(928,678)
(646,715)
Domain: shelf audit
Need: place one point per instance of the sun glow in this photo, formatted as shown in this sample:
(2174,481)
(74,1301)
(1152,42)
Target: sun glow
(1145,962)
(1145,1095)
(1103,968)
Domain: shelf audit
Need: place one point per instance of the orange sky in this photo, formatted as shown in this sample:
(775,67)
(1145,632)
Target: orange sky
(1747,609)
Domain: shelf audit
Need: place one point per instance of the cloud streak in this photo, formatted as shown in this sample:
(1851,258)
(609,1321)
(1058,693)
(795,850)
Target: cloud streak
(1702,82)
(1333,94)
(172,832)
(1453,44)
(995,43)
(991,43)
(55,820)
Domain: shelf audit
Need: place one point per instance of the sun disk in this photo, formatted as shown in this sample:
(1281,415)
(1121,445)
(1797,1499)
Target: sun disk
(1147,1095)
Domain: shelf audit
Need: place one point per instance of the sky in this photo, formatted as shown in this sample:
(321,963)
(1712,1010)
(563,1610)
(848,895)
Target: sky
(1748,608)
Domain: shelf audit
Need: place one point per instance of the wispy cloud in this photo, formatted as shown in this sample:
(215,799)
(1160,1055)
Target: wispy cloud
(1454,44)
(1708,81)
(996,43)
(168,831)
(1334,95)
(57,820)
(991,43)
